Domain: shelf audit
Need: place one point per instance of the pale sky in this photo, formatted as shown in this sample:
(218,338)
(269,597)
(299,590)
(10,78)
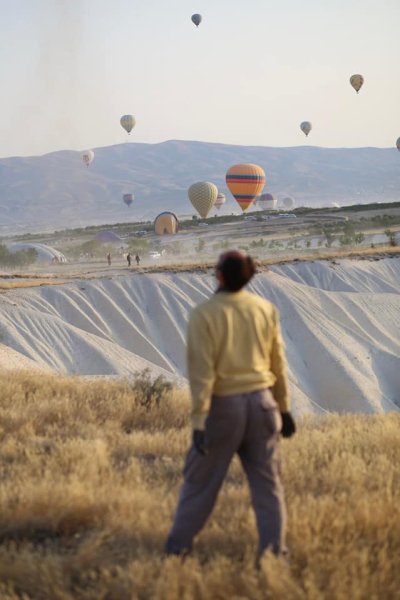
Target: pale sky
(249,75)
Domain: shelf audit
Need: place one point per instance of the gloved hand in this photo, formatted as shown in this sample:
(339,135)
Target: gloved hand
(288,425)
(199,441)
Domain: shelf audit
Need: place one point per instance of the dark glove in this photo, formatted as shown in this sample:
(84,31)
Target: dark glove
(288,425)
(199,441)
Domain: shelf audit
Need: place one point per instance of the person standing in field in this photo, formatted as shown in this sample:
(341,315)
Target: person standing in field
(109,259)
(239,387)
(129,259)
(137,258)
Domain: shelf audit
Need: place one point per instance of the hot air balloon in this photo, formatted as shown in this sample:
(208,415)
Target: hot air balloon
(398,144)
(203,195)
(87,157)
(166,223)
(128,122)
(197,19)
(245,182)
(267,202)
(288,202)
(306,127)
(356,82)
(220,201)
(128,199)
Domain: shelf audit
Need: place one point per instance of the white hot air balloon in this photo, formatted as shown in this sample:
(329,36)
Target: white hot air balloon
(288,203)
(87,157)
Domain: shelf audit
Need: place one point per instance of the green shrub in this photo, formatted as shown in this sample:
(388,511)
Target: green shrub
(148,391)
(22,258)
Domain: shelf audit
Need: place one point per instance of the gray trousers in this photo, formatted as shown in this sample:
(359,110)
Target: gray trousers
(248,424)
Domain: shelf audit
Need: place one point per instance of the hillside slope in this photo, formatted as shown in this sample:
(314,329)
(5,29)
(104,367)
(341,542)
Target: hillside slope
(56,190)
(341,324)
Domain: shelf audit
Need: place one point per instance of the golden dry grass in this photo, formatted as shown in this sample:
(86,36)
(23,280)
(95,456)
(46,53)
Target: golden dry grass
(35,282)
(89,482)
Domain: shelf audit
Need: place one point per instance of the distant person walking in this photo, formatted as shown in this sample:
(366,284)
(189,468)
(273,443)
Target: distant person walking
(137,258)
(237,374)
(129,259)
(109,259)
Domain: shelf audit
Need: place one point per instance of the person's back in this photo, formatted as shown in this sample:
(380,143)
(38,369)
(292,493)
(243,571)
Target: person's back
(243,331)
(240,404)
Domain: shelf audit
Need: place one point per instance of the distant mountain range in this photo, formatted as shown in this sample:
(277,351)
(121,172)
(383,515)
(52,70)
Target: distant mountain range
(57,190)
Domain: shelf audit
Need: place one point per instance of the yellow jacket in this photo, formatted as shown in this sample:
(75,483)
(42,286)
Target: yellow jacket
(234,346)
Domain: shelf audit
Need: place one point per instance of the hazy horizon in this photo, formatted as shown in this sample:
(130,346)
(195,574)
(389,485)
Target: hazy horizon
(247,76)
(213,142)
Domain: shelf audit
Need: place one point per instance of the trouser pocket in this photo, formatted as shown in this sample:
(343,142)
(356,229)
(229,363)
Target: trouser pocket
(270,414)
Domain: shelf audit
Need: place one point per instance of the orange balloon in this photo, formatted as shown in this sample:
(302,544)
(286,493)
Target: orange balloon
(245,182)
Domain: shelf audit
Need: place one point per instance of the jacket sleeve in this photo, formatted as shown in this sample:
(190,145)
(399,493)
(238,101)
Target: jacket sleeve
(200,367)
(280,388)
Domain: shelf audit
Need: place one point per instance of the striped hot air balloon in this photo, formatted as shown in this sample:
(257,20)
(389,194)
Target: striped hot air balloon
(267,202)
(203,195)
(245,182)
(166,223)
(220,201)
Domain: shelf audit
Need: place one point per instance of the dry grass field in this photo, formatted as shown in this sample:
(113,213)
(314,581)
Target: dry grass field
(13,285)
(89,481)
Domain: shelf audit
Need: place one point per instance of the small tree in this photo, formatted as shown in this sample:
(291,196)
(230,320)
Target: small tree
(21,258)
(348,228)
(149,391)
(200,245)
(330,238)
(359,238)
(391,237)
